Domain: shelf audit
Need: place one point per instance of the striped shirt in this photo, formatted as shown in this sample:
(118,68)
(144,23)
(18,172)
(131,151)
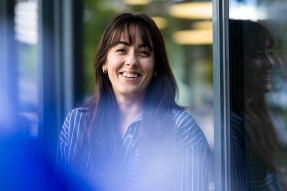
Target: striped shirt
(189,170)
(248,171)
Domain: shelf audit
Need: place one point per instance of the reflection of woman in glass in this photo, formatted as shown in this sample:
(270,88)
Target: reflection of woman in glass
(133,135)
(254,143)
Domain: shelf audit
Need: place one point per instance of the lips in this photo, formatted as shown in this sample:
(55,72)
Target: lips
(130,74)
(265,73)
(264,76)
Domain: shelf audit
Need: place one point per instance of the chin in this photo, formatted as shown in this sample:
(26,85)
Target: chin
(258,90)
(265,89)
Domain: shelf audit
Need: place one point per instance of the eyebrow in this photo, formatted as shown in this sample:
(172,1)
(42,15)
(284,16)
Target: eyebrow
(128,44)
(123,42)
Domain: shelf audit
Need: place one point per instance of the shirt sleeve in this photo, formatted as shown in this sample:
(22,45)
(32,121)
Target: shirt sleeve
(63,142)
(238,179)
(195,155)
(69,150)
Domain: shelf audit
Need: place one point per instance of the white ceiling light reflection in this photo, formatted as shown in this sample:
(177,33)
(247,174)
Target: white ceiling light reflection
(192,10)
(246,10)
(26,19)
(193,37)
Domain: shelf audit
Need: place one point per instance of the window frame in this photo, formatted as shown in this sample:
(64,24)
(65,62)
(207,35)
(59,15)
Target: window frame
(222,169)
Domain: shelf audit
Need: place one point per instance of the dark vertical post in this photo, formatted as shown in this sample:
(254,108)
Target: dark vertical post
(60,65)
(78,52)
(50,98)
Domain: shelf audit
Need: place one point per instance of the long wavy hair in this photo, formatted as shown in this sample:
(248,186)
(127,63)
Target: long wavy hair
(245,38)
(103,129)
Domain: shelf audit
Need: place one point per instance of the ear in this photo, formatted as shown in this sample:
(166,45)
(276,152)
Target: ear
(104,68)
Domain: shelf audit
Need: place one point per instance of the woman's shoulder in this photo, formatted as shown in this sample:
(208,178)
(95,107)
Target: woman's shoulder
(75,119)
(237,128)
(76,115)
(182,118)
(236,123)
(78,111)
(236,117)
(188,130)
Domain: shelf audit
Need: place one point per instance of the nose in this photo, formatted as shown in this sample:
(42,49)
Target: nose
(132,59)
(271,60)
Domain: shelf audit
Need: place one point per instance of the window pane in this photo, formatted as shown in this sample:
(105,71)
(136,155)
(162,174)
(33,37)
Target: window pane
(26,35)
(257,43)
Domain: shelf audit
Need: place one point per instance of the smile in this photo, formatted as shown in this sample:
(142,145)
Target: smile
(130,75)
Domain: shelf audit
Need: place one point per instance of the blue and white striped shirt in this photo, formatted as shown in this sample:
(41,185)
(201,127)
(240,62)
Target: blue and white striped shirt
(191,166)
(248,171)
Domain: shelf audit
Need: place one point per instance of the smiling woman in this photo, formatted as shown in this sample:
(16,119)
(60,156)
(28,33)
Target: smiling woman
(257,155)
(130,68)
(132,135)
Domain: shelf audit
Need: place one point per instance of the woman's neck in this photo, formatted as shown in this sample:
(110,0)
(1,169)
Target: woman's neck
(130,110)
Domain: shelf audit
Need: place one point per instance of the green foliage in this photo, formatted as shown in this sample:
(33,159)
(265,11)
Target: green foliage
(95,20)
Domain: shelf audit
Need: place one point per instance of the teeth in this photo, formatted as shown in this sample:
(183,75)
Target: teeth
(129,75)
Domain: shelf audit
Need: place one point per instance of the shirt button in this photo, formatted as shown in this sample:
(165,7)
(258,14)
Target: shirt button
(130,136)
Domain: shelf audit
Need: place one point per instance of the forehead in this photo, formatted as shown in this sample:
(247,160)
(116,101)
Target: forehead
(261,40)
(132,34)
(136,40)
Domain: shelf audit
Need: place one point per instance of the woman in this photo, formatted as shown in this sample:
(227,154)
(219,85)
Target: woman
(132,135)
(255,148)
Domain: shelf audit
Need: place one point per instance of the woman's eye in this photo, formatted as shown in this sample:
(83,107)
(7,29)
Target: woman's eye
(269,52)
(260,53)
(121,50)
(144,53)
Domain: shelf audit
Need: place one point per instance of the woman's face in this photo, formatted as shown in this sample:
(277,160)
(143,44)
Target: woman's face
(257,72)
(130,68)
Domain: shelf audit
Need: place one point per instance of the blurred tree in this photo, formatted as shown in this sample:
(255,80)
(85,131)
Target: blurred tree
(96,17)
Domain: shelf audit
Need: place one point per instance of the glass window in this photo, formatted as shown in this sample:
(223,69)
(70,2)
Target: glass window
(26,36)
(258,112)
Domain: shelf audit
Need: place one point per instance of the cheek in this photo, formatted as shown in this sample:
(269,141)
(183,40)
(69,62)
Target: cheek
(112,65)
(251,67)
(112,60)
(148,66)
(149,71)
